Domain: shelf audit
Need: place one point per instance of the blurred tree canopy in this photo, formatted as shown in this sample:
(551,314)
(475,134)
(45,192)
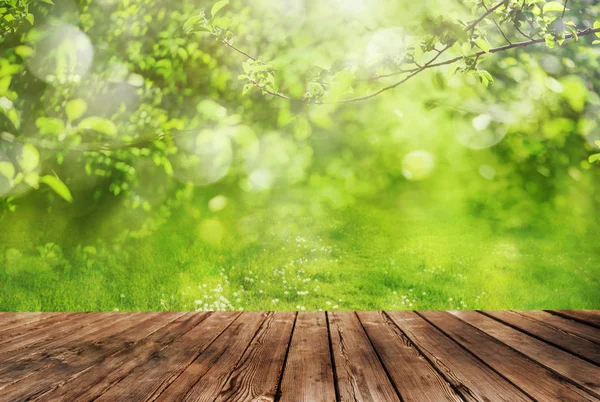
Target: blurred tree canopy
(137,103)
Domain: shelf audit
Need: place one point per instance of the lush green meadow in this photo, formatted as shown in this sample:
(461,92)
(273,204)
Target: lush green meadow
(405,253)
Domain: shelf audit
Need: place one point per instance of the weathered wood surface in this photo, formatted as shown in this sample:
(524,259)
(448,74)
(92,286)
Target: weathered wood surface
(377,356)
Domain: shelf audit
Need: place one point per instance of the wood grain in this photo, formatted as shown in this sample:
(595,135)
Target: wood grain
(18,321)
(311,382)
(579,346)
(413,376)
(474,380)
(164,366)
(429,356)
(24,362)
(589,317)
(205,377)
(586,374)
(88,385)
(360,374)
(27,338)
(564,324)
(256,376)
(536,380)
(85,354)
(44,337)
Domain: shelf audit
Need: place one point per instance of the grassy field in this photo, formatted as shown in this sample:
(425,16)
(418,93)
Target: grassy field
(413,252)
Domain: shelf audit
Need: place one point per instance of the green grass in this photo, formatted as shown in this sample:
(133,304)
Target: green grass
(291,256)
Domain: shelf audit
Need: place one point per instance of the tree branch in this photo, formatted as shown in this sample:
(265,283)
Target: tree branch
(488,12)
(429,65)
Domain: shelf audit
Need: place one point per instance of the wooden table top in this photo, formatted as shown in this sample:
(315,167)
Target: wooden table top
(386,356)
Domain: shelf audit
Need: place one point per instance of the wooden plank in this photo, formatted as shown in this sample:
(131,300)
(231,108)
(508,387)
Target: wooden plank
(25,328)
(42,336)
(88,385)
(10,321)
(24,362)
(589,317)
(581,347)
(360,374)
(565,324)
(536,380)
(206,376)
(474,380)
(414,377)
(20,332)
(57,366)
(40,352)
(586,374)
(256,376)
(165,366)
(308,374)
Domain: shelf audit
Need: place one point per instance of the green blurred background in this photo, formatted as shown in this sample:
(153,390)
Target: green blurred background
(187,193)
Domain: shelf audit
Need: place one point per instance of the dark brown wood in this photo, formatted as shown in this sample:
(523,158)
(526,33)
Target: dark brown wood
(256,376)
(579,346)
(312,382)
(11,321)
(164,366)
(473,379)
(24,362)
(88,385)
(536,380)
(585,374)
(489,356)
(360,374)
(413,376)
(84,356)
(43,336)
(564,324)
(24,336)
(205,377)
(590,317)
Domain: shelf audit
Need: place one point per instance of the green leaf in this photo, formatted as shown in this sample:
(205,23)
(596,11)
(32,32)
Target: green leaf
(188,27)
(30,18)
(483,44)
(49,125)
(23,51)
(218,6)
(29,158)
(47,1)
(58,186)
(98,124)
(597,142)
(7,170)
(553,6)
(594,158)
(32,179)
(486,78)
(75,109)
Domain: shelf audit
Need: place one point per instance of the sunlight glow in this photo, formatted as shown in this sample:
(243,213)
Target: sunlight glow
(386,46)
(203,158)
(62,53)
(418,165)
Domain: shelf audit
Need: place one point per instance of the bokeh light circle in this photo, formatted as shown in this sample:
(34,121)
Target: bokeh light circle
(62,53)
(418,165)
(482,129)
(203,157)
(386,46)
